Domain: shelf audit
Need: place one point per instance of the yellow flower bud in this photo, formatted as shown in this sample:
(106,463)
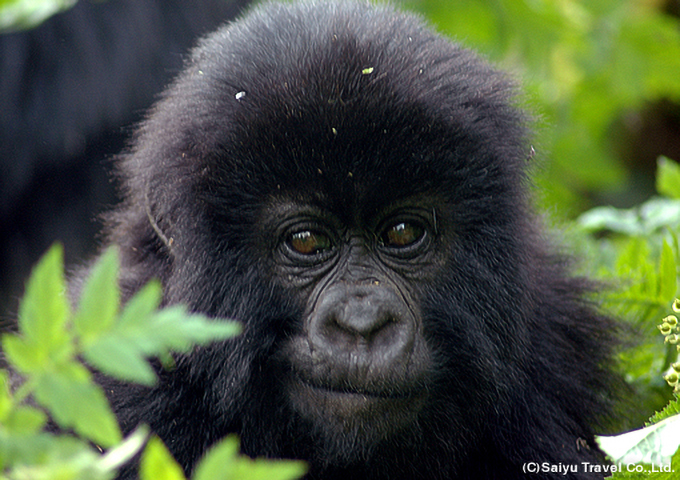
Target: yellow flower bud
(665,328)
(672,379)
(671,320)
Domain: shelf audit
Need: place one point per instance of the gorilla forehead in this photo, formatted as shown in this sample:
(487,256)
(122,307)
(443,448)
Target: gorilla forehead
(340,97)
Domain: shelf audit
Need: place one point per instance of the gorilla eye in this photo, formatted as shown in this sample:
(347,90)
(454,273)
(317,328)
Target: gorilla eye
(402,235)
(308,242)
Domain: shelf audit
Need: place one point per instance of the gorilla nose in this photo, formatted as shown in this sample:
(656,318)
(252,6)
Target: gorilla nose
(372,322)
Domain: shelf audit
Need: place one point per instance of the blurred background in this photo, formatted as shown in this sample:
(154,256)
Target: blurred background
(75,77)
(602,78)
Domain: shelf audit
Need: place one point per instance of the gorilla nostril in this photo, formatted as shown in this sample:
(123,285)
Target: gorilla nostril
(362,319)
(361,328)
(369,321)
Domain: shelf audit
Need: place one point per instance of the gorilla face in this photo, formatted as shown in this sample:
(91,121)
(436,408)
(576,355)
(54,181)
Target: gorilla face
(351,187)
(363,217)
(360,359)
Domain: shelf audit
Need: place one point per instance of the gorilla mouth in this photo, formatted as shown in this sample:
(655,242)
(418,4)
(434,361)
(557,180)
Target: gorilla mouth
(351,401)
(362,392)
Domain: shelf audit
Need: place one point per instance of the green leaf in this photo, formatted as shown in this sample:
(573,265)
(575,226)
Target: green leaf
(223,462)
(644,219)
(218,464)
(99,300)
(143,332)
(158,464)
(24,356)
(25,421)
(668,280)
(668,178)
(46,457)
(141,305)
(671,409)
(261,469)
(613,219)
(172,328)
(44,310)
(653,445)
(6,400)
(18,14)
(179,330)
(121,358)
(76,402)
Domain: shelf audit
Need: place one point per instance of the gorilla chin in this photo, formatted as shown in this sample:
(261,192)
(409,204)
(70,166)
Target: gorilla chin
(351,424)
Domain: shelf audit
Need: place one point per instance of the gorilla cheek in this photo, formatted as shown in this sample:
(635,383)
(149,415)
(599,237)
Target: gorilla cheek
(361,362)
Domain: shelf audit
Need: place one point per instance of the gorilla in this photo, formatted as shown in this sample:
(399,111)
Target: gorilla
(352,187)
(69,89)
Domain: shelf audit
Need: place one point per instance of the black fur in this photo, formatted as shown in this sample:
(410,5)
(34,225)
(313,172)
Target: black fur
(355,108)
(69,91)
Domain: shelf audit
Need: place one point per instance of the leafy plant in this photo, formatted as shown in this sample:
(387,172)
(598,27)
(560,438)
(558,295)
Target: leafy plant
(22,14)
(635,252)
(48,377)
(652,452)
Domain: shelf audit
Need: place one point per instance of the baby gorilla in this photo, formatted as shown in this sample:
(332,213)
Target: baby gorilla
(351,187)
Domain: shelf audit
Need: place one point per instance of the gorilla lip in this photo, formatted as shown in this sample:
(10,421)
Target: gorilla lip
(351,401)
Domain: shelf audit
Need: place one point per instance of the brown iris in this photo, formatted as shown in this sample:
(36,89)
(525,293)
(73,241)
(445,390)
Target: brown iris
(402,235)
(308,242)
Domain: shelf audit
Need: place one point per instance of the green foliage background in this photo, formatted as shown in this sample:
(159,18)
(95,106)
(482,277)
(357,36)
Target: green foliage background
(584,65)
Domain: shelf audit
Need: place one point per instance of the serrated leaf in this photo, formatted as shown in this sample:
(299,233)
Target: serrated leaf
(179,330)
(141,305)
(121,359)
(76,402)
(99,300)
(202,330)
(672,408)
(45,310)
(172,328)
(158,464)
(653,445)
(668,178)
